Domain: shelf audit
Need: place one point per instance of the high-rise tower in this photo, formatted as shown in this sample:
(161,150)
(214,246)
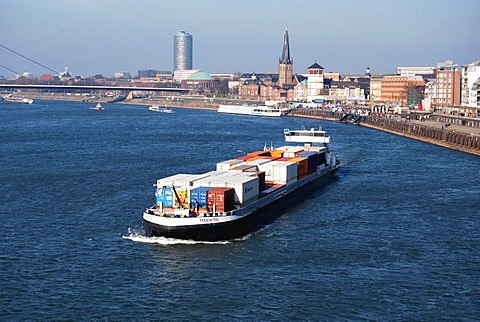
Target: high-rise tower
(285,64)
(182,51)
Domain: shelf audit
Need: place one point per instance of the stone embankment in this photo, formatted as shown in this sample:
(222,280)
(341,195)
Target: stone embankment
(461,138)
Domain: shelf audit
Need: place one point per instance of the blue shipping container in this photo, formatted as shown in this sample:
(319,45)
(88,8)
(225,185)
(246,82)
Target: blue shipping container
(199,196)
(164,195)
(313,159)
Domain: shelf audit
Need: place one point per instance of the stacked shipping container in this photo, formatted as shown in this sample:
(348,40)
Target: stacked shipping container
(239,180)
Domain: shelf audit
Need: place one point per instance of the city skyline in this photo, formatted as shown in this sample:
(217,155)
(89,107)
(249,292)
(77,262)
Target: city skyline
(104,37)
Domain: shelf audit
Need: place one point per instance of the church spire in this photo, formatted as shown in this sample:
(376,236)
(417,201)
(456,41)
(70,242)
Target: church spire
(286,50)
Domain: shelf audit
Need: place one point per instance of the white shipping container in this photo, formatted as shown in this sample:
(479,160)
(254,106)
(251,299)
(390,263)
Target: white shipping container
(315,148)
(246,187)
(258,162)
(286,147)
(284,173)
(279,171)
(226,165)
(244,168)
(245,184)
(219,176)
(180,180)
(290,153)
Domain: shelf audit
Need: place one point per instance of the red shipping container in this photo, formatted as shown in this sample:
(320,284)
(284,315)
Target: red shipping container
(243,157)
(222,198)
(259,153)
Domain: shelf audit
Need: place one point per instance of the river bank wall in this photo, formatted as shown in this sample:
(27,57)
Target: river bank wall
(434,132)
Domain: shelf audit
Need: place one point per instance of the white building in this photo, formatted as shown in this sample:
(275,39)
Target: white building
(122,75)
(183,74)
(315,79)
(301,91)
(469,81)
(25,74)
(412,71)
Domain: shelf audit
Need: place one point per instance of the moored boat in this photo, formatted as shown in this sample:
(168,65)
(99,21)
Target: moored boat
(242,194)
(10,98)
(156,108)
(255,110)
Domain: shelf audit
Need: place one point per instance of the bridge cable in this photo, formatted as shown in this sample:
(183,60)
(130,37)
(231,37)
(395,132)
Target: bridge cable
(36,62)
(10,69)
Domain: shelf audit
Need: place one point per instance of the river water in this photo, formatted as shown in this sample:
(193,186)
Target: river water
(395,237)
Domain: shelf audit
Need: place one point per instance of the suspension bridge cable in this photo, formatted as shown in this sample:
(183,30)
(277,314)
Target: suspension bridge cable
(36,62)
(10,70)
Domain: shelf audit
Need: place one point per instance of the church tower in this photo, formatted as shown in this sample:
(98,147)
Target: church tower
(285,64)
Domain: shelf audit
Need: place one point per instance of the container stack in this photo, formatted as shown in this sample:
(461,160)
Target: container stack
(239,181)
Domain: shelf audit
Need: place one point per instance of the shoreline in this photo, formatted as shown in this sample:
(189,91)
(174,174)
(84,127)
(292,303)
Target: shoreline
(183,103)
(413,136)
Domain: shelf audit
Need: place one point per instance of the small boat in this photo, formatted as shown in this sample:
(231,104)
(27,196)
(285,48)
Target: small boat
(99,107)
(156,108)
(10,98)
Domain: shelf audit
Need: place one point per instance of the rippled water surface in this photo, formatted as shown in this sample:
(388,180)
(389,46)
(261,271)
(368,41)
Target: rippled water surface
(396,237)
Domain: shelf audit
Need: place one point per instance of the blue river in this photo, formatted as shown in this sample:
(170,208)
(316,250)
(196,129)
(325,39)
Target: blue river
(395,237)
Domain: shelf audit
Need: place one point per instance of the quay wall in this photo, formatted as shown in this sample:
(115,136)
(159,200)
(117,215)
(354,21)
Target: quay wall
(449,138)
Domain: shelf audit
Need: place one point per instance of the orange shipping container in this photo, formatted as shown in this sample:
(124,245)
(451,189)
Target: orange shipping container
(259,153)
(260,157)
(277,153)
(302,165)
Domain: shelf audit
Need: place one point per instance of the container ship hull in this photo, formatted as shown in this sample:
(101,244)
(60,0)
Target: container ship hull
(240,226)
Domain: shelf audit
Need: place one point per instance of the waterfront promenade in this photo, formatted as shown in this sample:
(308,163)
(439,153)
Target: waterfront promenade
(453,136)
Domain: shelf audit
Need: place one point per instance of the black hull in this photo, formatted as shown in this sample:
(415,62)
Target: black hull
(243,226)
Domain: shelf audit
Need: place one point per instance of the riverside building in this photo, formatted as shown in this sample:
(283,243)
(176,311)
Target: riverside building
(445,91)
(471,84)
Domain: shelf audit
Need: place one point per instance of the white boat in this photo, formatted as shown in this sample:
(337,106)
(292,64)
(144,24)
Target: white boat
(256,110)
(156,108)
(10,98)
(99,107)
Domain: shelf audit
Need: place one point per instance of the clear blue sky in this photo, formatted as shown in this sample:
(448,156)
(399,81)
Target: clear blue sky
(346,36)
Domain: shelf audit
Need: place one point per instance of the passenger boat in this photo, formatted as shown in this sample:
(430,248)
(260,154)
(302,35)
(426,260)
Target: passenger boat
(156,108)
(242,194)
(256,110)
(10,98)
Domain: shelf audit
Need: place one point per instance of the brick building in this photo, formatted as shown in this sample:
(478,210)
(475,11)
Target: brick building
(398,89)
(446,90)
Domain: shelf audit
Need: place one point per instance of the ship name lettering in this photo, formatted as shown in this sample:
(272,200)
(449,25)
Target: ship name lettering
(208,219)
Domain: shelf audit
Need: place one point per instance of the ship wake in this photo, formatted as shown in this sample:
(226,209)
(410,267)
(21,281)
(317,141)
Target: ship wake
(139,237)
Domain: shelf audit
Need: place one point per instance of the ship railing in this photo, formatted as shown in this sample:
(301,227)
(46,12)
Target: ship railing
(158,212)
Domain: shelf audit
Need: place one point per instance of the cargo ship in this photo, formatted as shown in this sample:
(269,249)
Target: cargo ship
(242,194)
